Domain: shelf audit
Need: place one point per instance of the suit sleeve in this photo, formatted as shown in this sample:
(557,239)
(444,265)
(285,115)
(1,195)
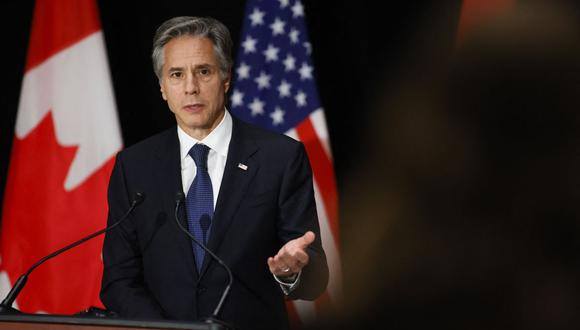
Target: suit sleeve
(297,216)
(123,289)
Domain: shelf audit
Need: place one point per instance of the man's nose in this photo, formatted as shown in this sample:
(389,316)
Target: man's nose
(191,84)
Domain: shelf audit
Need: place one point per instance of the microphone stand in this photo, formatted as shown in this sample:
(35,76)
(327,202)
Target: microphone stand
(6,305)
(214,317)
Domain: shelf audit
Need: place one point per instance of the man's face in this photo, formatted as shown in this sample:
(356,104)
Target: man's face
(192,85)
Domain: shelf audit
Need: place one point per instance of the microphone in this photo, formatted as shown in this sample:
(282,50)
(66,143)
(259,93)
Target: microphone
(205,223)
(6,305)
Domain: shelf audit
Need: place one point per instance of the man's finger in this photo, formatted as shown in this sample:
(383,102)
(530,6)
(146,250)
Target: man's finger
(273,265)
(279,268)
(306,240)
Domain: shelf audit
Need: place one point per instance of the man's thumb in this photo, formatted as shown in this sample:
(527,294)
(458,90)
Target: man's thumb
(307,239)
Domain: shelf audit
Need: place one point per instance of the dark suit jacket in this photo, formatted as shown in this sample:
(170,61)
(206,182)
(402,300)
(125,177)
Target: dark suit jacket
(149,263)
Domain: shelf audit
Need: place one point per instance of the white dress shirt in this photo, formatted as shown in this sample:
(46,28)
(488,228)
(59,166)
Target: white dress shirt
(218,141)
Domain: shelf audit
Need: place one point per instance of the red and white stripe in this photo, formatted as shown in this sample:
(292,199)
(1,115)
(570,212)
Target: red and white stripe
(314,134)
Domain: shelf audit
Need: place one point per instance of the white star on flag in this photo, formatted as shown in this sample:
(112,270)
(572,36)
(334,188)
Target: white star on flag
(257,17)
(294,36)
(249,45)
(271,53)
(297,10)
(283,3)
(300,99)
(308,47)
(289,63)
(263,80)
(305,71)
(237,98)
(277,116)
(277,27)
(257,107)
(243,71)
(284,88)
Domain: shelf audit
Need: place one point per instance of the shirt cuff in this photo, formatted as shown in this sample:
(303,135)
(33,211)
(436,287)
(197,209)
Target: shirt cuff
(288,284)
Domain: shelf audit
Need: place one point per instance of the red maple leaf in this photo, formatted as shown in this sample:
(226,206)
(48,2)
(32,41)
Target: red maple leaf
(40,217)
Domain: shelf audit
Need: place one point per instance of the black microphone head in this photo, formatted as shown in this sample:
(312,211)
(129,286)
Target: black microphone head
(179,197)
(138,197)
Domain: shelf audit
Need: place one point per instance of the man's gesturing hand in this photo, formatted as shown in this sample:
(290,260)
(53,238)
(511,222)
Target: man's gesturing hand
(292,257)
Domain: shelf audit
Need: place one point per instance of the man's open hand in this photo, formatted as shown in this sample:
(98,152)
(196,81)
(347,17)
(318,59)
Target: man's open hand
(292,257)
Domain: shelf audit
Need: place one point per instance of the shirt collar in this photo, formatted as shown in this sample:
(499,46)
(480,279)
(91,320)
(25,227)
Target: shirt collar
(218,139)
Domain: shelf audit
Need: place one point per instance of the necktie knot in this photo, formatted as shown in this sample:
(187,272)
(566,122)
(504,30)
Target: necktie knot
(199,154)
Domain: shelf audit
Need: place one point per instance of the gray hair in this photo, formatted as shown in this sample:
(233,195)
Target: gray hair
(206,27)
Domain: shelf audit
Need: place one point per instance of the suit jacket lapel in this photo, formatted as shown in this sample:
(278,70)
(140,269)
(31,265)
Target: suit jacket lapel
(169,181)
(234,185)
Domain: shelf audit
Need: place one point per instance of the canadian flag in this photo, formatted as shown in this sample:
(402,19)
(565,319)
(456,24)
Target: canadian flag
(67,133)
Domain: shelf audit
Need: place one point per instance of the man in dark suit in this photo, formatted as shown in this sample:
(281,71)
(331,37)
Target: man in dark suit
(249,198)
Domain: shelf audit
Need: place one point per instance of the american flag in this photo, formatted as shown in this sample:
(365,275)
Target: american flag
(274,87)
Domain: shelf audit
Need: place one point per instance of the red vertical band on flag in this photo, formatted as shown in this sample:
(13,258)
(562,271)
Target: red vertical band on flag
(324,304)
(475,11)
(293,317)
(57,24)
(323,172)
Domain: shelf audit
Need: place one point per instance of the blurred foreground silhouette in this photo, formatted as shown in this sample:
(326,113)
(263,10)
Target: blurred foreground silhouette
(465,213)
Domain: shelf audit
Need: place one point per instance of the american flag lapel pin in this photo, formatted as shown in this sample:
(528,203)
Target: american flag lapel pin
(243,166)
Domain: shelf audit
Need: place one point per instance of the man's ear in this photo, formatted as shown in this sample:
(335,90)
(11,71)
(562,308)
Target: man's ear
(227,82)
(162,91)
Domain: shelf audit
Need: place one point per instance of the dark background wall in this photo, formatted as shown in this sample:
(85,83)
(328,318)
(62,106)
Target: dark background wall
(359,50)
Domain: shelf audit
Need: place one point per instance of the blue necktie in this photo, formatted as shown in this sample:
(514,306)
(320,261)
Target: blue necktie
(199,202)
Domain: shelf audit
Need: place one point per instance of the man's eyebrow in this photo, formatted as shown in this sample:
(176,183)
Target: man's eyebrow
(198,66)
